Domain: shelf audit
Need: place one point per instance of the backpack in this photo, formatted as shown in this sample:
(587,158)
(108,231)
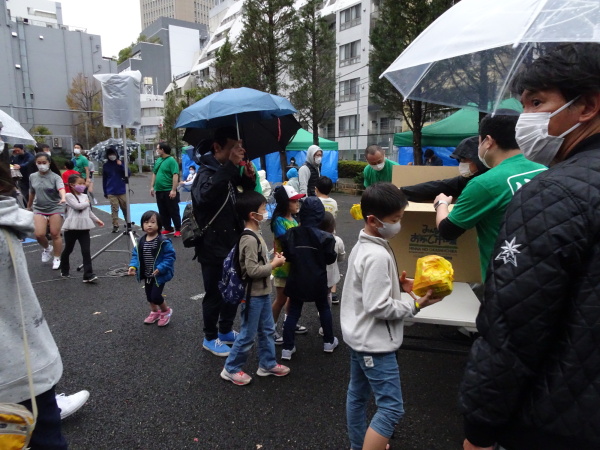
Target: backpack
(232,286)
(191,233)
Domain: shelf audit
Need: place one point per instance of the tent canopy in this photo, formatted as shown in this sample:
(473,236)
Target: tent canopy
(450,131)
(304,139)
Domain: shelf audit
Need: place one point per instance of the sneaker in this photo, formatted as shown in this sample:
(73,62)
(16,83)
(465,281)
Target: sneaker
(115,229)
(56,263)
(65,275)
(279,371)
(47,254)
(90,279)
(335,299)
(69,404)
(240,378)
(228,338)
(165,232)
(165,317)
(95,201)
(152,317)
(278,339)
(287,354)
(177,234)
(301,330)
(216,347)
(329,347)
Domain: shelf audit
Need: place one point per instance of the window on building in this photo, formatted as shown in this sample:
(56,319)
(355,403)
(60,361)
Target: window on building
(350,53)
(330,130)
(349,90)
(350,17)
(348,125)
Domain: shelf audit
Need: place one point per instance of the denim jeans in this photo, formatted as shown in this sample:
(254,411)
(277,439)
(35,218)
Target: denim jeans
(294,313)
(257,318)
(214,310)
(377,373)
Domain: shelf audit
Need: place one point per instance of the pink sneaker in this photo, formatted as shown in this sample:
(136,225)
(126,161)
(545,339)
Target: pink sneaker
(165,318)
(152,317)
(279,371)
(240,378)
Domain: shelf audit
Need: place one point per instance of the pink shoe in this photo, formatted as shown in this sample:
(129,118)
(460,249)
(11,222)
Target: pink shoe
(152,317)
(165,318)
(279,371)
(240,378)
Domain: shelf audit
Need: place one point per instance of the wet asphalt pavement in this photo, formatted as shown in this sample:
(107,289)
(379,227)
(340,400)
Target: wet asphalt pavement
(155,388)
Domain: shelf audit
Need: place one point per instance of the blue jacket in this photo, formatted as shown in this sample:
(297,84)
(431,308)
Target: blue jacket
(164,260)
(113,175)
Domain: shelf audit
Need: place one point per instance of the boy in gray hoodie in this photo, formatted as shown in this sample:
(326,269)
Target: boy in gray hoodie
(372,318)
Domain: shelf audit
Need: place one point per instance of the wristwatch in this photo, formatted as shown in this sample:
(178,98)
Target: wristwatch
(438,203)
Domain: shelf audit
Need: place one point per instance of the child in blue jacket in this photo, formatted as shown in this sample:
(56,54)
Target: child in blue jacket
(153,260)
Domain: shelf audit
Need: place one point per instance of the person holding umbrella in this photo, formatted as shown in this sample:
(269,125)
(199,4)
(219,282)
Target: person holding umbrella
(214,193)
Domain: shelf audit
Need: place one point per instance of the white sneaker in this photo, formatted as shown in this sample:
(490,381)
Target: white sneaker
(329,347)
(69,404)
(56,263)
(287,354)
(47,254)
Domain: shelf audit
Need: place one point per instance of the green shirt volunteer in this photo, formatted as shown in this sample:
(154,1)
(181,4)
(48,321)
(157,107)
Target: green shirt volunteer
(373,176)
(164,169)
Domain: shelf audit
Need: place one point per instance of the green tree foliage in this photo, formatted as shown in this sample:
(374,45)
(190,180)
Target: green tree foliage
(85,96)
(127,52)
(312,67)
(40,131)
(264,44)
(227,68)
(399,23)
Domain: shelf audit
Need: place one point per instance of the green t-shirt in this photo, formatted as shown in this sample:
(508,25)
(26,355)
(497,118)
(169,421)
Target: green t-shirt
(373,176)
(164,169)
(81,162)
(483,202)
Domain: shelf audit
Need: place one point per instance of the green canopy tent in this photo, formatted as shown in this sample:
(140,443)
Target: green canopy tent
(450,131)
(304,139)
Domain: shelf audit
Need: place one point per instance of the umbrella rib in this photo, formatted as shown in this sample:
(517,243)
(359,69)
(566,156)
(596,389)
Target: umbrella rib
(517,61)
(534,16)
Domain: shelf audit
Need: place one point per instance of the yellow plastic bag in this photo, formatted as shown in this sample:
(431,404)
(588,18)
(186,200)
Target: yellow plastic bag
(436,273)
(356,212)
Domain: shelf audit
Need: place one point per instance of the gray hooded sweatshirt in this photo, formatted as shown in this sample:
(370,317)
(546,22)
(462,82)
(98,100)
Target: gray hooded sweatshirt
(304,173)
(45,358)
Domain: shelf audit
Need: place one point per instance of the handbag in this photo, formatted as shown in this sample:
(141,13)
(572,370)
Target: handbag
(191,233)
(16,421)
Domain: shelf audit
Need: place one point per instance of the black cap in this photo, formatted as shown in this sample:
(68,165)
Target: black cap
(468,149)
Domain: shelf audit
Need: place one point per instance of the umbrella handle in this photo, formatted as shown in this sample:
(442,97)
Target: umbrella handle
(237,126)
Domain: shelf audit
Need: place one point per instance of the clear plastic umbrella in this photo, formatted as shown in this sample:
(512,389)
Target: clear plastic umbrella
(469,55)
(12,131)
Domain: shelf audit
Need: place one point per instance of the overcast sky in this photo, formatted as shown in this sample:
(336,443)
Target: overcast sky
(117,21)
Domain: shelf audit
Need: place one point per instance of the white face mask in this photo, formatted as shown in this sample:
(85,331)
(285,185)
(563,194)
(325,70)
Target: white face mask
(112,157)
(157,153)
(43,167)
(77,151)
(264,217)
(2,144)
(482,158)
(533,138)
(464,169)
(379,166)
(388,230)
(318,160)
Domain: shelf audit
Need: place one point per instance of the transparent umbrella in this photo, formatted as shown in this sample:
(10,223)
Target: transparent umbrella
(469,55)
(12,131)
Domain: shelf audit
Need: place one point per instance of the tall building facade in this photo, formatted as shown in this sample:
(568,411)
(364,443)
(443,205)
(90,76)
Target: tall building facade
(189,10)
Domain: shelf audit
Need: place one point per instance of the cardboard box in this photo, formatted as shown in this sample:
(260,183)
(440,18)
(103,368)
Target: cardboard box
(419,235)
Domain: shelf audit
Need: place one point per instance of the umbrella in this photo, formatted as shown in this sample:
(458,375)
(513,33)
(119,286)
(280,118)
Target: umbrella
(11,131)
(469,55)
(265,122)
(97,152)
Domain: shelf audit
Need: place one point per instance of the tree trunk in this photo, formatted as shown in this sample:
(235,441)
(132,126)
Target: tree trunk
(417,121)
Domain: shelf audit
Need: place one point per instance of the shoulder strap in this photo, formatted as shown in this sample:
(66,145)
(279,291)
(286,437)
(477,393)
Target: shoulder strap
(25,343)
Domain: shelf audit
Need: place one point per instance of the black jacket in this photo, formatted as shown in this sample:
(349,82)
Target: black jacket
(309,250)
(209,191)
(428,191)
(533,377)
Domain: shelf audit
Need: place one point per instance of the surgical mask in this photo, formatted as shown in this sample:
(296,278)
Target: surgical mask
(465,169)
(77,151)
(157,153)
(264,217)
(379,166)
(2,144)
(43,167)
(79,188)
(48,153)
(318,160)
(482,158)
(388,230)
(112,157)
(533,138)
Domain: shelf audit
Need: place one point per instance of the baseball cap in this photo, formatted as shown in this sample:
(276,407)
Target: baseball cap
(286,192)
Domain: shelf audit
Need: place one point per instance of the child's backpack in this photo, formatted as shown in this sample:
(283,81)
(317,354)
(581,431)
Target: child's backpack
(233,287)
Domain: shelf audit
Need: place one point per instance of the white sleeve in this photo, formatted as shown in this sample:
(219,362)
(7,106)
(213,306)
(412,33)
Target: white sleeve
(303,177)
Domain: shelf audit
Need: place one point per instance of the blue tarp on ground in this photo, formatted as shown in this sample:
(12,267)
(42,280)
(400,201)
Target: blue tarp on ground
(406,155)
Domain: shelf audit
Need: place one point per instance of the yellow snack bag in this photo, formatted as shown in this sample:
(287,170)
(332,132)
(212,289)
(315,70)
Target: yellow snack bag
(436,273)
(356,211)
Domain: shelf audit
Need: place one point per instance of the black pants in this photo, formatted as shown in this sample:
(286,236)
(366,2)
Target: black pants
(47,434)
(214,309)
(154,292)
(72,236)
(168,210)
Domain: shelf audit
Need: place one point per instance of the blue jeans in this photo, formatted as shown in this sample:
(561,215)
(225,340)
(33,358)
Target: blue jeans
(293,315)
(377,373)
(257,319)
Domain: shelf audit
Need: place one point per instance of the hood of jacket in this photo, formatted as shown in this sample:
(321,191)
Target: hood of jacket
(310,154)
(311,212)
(292,173)
(15,218)
(209,160)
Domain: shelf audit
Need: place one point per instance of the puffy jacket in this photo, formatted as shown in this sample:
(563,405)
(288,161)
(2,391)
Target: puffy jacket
(533,377)
(164,260)
(209,191)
